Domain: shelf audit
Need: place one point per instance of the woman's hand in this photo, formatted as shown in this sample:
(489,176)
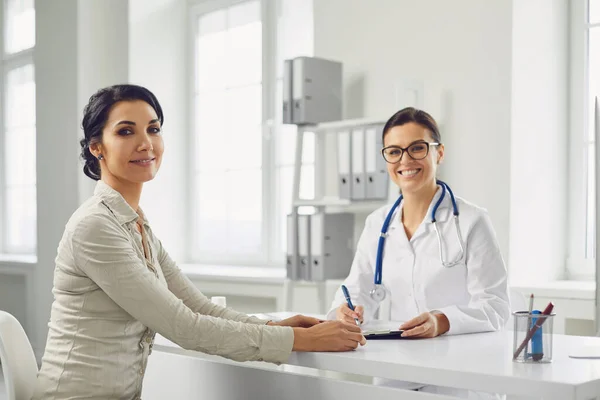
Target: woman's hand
(344,313)
(297,321)
(426,325)
(329,336)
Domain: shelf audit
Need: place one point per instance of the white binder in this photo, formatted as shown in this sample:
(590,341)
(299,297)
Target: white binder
(291,264)
(288,100)
(331,245)
(344,163)
(316,90)
(304,252)
(357,165)
(375,165)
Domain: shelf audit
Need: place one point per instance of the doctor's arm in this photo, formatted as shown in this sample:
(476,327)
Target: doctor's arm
(487,283)
(360,280)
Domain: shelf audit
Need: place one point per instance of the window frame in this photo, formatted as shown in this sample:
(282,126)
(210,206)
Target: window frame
(8,63)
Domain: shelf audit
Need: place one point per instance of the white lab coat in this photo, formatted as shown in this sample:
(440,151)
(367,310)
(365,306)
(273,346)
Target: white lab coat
(473,294)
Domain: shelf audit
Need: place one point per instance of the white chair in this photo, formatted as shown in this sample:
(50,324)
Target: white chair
(18,361)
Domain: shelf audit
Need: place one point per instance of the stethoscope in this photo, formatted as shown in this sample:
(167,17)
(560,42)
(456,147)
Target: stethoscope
(378,292)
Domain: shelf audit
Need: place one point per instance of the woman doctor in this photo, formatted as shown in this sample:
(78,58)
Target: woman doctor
(454,282)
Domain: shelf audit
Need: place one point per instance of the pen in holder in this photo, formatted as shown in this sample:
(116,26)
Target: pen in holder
(533,336)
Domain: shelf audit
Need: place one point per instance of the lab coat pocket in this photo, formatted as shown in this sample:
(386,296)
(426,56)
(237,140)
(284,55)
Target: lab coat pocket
(442,286)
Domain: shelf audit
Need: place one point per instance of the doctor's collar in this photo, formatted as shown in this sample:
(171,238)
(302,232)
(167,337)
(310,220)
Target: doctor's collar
(441,216)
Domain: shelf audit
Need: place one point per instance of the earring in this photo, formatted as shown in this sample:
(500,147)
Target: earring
(100,157)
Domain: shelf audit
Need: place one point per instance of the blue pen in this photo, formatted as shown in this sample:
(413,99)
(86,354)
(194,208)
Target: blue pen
(350,305)
(537,340)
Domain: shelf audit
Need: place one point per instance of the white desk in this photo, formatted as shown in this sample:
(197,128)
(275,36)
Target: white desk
(479,362)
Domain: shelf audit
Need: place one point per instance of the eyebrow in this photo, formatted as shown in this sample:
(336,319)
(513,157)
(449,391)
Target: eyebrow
(411,143)
(133,123)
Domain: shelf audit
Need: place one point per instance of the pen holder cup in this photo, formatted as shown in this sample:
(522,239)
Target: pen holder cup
(538,347)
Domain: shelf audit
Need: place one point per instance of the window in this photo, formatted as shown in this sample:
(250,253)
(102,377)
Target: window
(242,155)
(593,91)
(584,88)
(17,170)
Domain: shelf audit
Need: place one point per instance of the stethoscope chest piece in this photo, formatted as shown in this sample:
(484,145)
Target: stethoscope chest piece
(378,293)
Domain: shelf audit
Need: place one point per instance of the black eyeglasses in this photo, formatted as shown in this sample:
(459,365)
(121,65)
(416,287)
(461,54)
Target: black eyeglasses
(416,151)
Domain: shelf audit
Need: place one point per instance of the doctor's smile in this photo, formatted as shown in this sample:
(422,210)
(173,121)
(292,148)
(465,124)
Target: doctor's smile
(409,173)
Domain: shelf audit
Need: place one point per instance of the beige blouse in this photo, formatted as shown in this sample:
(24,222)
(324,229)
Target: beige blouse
(109,302)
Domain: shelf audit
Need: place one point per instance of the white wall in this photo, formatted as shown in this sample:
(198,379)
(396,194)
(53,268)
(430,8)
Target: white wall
(158,60)
(462,50)
(539,145)
(57,133)
(13,296)
(103,57)
(78,50)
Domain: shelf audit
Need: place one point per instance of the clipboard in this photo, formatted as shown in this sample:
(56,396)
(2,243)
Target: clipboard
(383,334)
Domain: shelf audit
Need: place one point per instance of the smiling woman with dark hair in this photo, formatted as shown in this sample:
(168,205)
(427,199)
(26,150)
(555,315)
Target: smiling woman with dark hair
(431,260)
(115,286)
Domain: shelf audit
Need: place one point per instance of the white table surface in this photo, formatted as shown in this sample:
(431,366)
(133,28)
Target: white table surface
(480,361)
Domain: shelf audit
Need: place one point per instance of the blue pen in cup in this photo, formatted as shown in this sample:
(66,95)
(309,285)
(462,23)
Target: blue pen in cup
(537,340)
(350,305)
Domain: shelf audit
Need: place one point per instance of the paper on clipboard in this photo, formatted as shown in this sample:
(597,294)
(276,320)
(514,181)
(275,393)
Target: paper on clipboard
(377,327)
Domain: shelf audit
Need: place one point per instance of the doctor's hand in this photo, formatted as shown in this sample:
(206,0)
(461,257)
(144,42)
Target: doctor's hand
(344,313)
(426,325)
(297,321)
(328,336)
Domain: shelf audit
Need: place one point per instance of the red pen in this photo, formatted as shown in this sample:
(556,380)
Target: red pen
(538,323)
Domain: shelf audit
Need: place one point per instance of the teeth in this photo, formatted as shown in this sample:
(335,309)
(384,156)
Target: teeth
(409,172)
(142,161)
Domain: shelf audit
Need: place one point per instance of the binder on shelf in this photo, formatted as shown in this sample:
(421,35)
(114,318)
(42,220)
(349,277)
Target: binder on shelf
(288,100)
(357,165)
(331,245)
(316,90)
(291,264)
(344,164)
(304,253)
(375,165)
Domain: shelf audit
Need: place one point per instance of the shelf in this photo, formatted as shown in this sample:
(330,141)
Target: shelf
(349,123)
(335,205)
(322,202)
(357,207)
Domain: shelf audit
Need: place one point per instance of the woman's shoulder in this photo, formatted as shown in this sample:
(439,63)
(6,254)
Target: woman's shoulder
(471,209)
(473,215)
(92,216)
